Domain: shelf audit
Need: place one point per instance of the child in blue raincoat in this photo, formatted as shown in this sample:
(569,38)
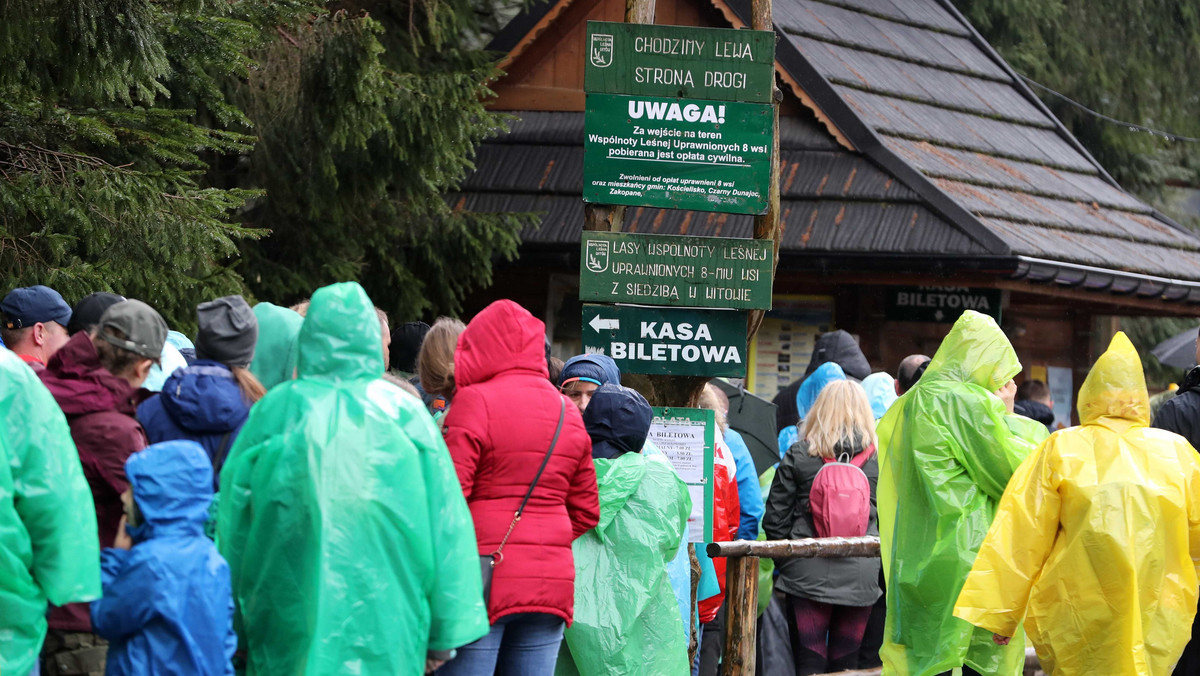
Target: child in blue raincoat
(167,606)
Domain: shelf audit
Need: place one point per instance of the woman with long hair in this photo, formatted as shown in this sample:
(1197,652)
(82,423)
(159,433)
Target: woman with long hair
(831,599)
(208,401)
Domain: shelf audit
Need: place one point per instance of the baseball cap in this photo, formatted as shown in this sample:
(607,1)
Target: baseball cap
(29,305)
(144,329)
(87,312)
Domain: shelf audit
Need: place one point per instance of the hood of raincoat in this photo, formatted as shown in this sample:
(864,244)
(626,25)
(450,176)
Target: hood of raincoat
(81,385)
(204,398)
(617,420)
(1115,389)
(841,348)
(881,392)
(340,338)
(168,363)
(598,367)
(172,485)
(807,395)
(975,351)
(503,337)
(275,353)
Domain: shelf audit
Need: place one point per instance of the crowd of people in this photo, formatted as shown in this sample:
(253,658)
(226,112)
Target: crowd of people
(304,490)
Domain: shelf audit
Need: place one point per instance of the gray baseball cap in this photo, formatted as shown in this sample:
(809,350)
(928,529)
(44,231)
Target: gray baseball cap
(144,329)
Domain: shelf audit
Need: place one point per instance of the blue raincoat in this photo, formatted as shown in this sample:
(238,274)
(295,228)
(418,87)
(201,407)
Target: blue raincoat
(749,494)
(881,392)
(202,403)
(167,606)
(806,396)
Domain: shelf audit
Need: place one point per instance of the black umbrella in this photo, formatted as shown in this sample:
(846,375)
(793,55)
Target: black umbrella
(754,418)
(1178,350)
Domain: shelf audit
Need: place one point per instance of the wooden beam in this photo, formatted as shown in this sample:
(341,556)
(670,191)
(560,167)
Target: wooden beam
(766,226)
(865,547)
(741,616)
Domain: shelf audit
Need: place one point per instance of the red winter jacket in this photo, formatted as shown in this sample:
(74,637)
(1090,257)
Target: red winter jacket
(100,409)
(498,430)
(726,517)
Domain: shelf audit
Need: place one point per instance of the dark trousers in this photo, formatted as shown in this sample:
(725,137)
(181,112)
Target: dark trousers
(1189,662)
(712,643)
(868,654)
(966,671)
(829,636)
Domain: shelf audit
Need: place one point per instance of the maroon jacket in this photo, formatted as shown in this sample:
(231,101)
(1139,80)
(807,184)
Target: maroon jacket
(100,409)
(498,430)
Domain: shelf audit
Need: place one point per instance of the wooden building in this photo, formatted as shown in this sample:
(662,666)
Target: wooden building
(912,156)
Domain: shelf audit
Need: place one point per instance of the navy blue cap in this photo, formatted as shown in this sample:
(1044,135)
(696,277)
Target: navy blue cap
(618,420)
(29,305)
(592,368)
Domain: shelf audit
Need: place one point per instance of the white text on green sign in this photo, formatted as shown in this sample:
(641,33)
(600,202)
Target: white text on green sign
(680,61)
(677,153)
(715,272)
(667,341)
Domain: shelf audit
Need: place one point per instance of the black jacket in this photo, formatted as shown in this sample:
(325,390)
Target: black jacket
(843,582)
(1181,413)
(836,346)
(1035,410)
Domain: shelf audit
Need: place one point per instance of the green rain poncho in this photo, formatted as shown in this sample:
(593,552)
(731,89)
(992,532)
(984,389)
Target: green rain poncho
(947,450)
(275,353)
(626,617)
(350,547)
(49,549)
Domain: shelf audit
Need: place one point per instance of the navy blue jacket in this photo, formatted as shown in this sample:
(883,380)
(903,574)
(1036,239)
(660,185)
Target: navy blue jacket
(167,606)
(201,403)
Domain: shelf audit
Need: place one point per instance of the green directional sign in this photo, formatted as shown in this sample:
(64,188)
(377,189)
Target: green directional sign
(677,153)
(667,341)
(721,64)
(715,272)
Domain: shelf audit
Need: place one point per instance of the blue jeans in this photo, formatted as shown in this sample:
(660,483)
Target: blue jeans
(518,645)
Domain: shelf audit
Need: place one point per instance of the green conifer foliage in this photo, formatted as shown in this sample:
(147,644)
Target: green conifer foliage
(109,110)
(365,118)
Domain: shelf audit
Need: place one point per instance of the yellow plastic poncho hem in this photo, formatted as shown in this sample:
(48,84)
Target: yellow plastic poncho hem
(1097,538)
(947,450)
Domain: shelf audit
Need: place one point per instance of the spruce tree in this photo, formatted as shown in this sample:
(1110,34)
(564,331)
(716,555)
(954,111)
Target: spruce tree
(109,110)
(365,119)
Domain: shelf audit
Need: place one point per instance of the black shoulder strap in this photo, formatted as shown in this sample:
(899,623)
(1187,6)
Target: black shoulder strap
(562,412)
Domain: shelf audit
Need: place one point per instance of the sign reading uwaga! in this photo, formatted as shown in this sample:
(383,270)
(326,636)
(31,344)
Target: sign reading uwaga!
(939,303)
(667,341)
(677,153)
(680,61)
(618,267)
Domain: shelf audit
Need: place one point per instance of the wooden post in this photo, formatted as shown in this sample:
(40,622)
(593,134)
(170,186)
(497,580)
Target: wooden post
(766,226)
(741,616)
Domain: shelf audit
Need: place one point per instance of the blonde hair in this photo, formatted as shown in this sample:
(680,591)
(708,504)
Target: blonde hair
(252,390)
(711,398)
(841,412)
(435,361)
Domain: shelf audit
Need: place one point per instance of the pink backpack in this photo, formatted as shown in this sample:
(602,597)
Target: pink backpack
(840,498)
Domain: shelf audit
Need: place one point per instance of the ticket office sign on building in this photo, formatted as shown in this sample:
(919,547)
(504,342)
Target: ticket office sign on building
(714,272)
(721,64)
(677,153)
(667,341)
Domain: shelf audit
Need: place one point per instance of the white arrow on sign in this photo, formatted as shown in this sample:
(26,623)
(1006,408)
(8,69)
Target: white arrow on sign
(599,324)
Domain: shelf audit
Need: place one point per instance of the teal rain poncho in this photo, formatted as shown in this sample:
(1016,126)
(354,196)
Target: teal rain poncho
(350,547)
(947,450)
(48,543)
(626,619)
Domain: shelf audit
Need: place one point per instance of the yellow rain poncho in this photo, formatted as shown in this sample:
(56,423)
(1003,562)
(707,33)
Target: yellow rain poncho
(1097,538)
(947,450)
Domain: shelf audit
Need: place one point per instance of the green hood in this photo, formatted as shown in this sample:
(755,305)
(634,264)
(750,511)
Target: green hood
(275,354)
(975,351)
(340,338)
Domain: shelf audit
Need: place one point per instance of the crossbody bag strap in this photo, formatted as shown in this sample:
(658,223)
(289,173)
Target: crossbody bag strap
(562,412)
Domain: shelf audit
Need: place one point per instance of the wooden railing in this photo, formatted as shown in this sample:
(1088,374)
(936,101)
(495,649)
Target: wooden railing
(741,585)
